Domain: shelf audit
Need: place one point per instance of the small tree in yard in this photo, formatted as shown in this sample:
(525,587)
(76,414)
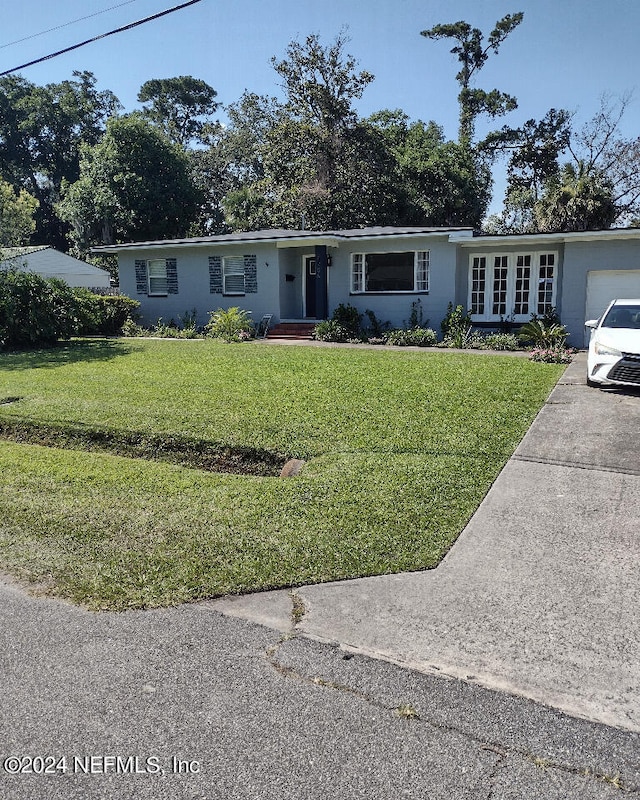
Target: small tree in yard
(230,324)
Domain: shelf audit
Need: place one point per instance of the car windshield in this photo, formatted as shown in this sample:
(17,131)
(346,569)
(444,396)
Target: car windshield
(622,317)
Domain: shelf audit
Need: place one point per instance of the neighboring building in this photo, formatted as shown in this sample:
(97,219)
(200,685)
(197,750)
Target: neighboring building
(304,275)
(50,263)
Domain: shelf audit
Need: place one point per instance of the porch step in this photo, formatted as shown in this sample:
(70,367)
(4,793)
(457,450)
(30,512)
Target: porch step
(292,330)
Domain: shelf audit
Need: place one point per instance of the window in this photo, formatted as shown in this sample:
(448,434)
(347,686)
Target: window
(478,278)
(523,285)
(500,275)
(233,275)
(545,282)
(390,272)
(511,286)
(157,276)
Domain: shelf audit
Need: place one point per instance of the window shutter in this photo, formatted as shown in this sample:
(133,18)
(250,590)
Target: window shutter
(172,276)
(250,274)
(141,277)
(215,275)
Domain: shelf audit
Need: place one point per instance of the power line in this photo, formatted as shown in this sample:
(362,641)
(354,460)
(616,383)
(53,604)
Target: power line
(65,24)
(102,36)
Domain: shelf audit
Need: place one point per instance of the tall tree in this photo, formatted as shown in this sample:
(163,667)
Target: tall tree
(535,149)
(315,153)
(578,199)
(134,185)
(17,209)
(232,159)
(472,52)
(602,151)
(181,106)
(596,185)
(41,131)
(321,83)
(436,182)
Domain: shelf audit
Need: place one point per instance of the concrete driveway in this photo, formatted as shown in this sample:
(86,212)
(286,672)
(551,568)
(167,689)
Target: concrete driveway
(539,595)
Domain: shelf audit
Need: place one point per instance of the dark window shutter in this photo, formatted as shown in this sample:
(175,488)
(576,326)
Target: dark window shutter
(250,274)
(215,275)
(142,287)
(172,276)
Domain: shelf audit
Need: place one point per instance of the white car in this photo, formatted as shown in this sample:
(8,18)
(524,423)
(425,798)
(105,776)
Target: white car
(614,347)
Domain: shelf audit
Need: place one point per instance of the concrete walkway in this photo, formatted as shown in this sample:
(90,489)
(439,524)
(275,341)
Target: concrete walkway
(539,595)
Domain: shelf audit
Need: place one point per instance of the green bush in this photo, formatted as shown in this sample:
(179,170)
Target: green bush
(413,337)
(331,331)
(543,334)
(34,311)
(131,328)
(230,324)
(376,329)
(456,328)
(552,355)
(102,315)
(345,325)
(349,318)
(501,341)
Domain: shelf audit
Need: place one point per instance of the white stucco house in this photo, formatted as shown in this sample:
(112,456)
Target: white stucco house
(297,275)
(50,263)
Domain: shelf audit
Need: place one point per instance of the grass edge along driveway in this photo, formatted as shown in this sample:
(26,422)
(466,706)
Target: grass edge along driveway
(401,447)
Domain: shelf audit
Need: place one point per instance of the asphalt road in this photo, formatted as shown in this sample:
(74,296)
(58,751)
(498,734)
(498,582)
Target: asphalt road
(215,707)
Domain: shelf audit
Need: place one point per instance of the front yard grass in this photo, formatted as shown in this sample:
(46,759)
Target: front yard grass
(401,447)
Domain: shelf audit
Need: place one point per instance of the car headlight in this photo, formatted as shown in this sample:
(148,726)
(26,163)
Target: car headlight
(606,350)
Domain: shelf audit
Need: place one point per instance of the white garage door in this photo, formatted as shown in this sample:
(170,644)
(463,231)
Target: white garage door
(605,285)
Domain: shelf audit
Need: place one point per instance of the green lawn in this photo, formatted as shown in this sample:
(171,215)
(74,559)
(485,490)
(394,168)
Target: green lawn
(400,448)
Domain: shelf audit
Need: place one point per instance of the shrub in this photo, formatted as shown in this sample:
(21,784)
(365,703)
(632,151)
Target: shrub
(416,318)
(455,319)
(376,329)
(162,330)
(413,337)
(331,331)
(456,327)
(551,355)
(501,341)
(543,334)
(345,325)
(230,324)
(34,311)
(131,328)
(189,323)
(102,315)
(349,318)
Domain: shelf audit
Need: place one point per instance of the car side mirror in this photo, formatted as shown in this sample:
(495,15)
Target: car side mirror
(591,323)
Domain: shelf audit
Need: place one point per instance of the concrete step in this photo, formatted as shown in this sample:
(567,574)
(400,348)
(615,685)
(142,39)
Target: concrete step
(292,330)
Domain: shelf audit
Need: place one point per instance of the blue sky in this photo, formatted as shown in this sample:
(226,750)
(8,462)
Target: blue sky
(565,54)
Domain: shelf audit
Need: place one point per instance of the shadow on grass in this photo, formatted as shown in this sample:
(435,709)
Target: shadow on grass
(188,452)
(66,353)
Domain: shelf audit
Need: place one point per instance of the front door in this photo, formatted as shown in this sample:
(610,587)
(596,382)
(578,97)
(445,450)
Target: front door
(310,286)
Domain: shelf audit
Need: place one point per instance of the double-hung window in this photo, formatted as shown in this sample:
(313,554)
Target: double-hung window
(511,286)
(390,272)
(233,275)
(157,277)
